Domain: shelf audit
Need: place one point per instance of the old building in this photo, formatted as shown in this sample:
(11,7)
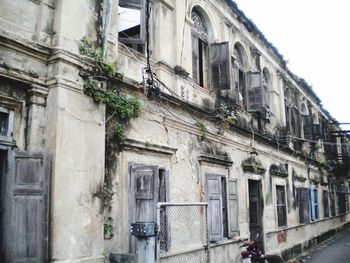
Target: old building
(158,131)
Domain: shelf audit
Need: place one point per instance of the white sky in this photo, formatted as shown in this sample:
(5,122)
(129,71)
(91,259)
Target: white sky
(314,37)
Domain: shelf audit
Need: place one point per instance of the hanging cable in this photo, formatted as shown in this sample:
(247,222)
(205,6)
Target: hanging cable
(150,80)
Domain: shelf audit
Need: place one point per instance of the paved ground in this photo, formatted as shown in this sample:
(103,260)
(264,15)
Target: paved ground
(337,251)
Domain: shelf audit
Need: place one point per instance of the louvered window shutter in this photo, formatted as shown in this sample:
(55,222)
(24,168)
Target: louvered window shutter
(232,200)
(254,92)
(195,59)
(214,208)
(219,59)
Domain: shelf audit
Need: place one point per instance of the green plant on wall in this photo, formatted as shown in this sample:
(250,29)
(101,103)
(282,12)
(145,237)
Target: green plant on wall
(203,131)
(121,106)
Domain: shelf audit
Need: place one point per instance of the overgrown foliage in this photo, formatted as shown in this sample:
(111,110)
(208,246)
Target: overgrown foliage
(203,131)
(121,106)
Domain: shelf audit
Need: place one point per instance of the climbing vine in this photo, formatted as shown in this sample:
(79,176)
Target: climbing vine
(122,107)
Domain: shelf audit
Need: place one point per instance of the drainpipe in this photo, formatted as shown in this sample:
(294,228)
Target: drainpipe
(106,27)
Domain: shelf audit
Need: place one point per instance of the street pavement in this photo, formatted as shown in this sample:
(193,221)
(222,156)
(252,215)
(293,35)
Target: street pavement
(337,251)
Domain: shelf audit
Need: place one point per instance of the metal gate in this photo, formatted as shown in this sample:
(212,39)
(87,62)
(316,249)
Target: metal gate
(183,233)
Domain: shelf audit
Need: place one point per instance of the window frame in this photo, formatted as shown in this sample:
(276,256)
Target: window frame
(10,124)
(283,204)
(140,41)
(200,53)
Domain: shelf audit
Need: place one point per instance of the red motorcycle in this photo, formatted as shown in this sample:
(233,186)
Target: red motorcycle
(251,253)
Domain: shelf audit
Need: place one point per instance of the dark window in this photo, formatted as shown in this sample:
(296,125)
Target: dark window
(239,77)
(326,203)
(304,205)
(332,199)
(342,203)
(220,66)
(281,206)
(4,123)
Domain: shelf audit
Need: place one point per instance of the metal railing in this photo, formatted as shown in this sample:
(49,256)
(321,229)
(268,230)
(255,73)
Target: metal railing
(183,233)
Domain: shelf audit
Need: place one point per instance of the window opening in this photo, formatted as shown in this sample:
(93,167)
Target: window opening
(131,22)
(200,50)
(314,204)
(4,123)
(239,77)
(326,203)
(281,206)
(304,205)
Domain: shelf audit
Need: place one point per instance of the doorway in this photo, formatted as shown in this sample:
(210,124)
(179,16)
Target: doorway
(255,212)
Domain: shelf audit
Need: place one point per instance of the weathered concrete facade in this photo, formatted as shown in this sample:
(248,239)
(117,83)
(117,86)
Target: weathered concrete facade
(202,122)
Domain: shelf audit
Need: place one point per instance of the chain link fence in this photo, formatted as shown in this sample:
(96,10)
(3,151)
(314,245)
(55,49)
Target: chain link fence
(183,233)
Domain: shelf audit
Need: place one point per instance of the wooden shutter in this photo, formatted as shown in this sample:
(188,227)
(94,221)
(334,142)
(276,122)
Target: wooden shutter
(237,85)
(195,59)
(26,214)
(254,92)
(304,205)
(232,207)
(136,4)
(219,59)
(214,207)
(145,188)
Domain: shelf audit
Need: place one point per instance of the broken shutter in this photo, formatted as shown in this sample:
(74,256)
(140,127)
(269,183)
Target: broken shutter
(136,4)
(214,207)
(27,206)
(304,205)
(232,207)
(237,85)
(219,59)
(195,59)
(254,92)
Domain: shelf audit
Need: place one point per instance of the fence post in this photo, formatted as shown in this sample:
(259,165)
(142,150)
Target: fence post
(157,234)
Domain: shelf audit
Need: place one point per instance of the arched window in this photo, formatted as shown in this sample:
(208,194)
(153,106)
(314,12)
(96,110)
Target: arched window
(239,76)
(200,50)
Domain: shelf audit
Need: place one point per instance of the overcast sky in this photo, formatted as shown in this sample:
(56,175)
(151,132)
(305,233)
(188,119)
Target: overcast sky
(314,37)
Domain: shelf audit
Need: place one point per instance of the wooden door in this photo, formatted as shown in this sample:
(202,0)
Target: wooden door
(26,201)
(144,185)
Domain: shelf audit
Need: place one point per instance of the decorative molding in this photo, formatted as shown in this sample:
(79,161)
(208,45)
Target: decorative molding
(278,170)
(214,159)
(134,145)
(253,165)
